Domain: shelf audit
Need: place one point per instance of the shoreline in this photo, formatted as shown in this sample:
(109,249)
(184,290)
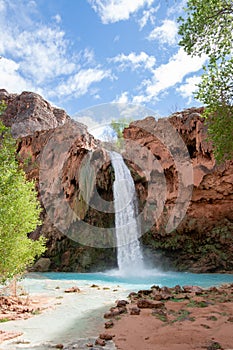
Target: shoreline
(174,319)
(179,317)
(76,313)
(23,307)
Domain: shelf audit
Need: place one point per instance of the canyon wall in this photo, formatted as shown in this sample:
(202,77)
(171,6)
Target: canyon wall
(51,147)
(55,150)
(203,240)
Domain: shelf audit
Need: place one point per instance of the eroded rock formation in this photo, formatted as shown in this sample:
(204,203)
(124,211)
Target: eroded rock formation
(203,240)
(52,149)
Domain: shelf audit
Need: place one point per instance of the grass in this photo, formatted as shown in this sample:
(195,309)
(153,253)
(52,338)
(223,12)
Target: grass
(161,317)
(5,319)
(212,318)
(183,315)
(117,318)
(177,300)
(194,303)
(36,312)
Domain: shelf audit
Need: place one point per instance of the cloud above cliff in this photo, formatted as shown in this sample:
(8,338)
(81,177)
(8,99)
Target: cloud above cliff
(117,10)
(169,75)
(134,61)
(78,53)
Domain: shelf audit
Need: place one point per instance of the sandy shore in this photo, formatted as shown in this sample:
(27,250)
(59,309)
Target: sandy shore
(21,308)
(170,319)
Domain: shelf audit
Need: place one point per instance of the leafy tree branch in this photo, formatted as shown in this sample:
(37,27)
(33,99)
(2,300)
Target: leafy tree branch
(207,29)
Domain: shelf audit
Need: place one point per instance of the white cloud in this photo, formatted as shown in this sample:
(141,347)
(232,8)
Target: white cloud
(134,61)
(57,18)
(79,83)
(177,8)
(166,33)
(36,56)
(169,74)
(187,89)
(123,98)
(148,16)
(88,56)
(111,11)
(2,6)
(10,78)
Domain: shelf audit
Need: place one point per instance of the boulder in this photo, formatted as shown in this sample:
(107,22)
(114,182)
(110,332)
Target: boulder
(149,304)
(42,265)
(106,336)
(100,342)
(135,311)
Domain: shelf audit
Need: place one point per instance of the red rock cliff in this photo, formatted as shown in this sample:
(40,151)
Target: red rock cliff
(51,146)
(203,240)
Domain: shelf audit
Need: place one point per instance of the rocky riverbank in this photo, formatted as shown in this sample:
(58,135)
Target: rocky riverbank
(179,318)
(21,308)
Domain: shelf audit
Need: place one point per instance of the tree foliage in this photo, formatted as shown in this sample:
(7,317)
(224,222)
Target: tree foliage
(119,125)
(19,212)
(207,29)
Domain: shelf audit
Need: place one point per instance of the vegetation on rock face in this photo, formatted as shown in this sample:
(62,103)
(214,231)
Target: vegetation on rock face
(207,252)
(115,136)
(19,211)
(207,29)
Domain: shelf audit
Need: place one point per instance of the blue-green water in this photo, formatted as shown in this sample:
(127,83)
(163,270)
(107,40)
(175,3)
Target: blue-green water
(151,277)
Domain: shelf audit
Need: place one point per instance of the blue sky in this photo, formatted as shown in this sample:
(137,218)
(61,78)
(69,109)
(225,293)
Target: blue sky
(80,53)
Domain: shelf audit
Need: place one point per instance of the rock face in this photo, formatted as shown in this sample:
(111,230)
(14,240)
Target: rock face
(28,113)
(188,218)
(203,239)
(52,147)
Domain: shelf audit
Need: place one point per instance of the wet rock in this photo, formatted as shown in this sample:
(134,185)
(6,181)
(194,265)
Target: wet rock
(178,289)
(106,336)
(109,324)
(100,342)
(145,292)
(72,290)
(192,289)
(121,303)
(111,314)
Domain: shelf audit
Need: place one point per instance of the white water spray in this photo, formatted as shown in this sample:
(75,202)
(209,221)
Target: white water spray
(127,225)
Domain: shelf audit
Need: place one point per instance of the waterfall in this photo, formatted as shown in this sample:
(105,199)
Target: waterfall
(127,224)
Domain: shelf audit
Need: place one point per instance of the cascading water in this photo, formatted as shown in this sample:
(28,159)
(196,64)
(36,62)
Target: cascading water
(127,225)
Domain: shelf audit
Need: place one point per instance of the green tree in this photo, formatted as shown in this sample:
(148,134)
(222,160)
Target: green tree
(207,29)
(118,128)
(119,125)
(19,212)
